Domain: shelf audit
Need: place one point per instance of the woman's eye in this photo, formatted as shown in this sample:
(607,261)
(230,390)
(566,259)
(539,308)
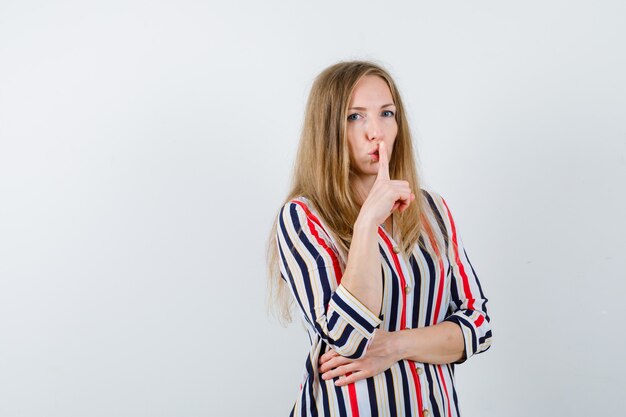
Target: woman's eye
(388,113)
(353,116)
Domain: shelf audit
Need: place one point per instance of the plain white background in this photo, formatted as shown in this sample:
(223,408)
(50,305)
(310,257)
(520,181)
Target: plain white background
(145,148)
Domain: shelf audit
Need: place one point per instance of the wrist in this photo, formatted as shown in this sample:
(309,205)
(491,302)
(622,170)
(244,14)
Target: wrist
(365,223)
(401,345)
(406,344)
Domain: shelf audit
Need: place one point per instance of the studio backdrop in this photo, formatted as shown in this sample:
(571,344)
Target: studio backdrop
(146,147)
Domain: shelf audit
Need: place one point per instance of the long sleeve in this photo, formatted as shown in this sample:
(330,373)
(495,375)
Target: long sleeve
(468,304)
(310,265)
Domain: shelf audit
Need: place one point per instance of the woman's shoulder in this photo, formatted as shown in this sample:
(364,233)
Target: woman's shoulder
(436,203)
(297,201)
(432,198)
(301,213)
(300,206)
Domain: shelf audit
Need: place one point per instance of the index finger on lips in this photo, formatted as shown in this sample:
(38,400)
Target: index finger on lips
(383,161)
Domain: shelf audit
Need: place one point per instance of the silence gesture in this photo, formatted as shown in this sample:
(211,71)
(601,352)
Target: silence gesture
(386,194)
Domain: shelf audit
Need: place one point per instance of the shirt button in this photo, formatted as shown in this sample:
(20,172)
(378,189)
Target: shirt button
(396,249)
(426,413)
(408,289)
(420,371)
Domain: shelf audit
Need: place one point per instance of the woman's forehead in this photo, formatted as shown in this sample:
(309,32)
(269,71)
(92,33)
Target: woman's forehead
(371,91)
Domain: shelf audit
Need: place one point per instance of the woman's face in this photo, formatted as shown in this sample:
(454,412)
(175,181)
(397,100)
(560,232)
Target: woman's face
(371,120)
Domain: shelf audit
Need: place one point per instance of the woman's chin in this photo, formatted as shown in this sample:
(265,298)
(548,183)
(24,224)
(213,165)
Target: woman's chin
(369,169)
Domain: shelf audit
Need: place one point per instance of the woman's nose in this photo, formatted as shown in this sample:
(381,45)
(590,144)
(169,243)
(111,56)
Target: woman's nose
(373,130)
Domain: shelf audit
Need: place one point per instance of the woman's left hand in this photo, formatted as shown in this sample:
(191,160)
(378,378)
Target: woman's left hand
(380,355)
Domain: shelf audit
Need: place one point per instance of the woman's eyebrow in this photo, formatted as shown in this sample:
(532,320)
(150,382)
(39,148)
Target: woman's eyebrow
(363,108)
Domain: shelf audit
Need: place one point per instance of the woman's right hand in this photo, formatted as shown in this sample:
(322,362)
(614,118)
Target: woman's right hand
(386,195)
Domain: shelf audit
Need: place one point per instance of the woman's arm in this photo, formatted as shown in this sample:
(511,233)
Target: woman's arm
(438,344)
(362,275)
(310,266)
(468,303)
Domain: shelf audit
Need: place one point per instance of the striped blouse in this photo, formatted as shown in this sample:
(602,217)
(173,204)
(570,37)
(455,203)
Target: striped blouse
(418,291)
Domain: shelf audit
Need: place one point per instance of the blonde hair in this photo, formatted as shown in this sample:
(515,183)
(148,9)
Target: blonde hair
(322,172)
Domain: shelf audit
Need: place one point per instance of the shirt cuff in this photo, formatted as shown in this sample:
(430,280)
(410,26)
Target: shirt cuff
(469,336)
(354,312)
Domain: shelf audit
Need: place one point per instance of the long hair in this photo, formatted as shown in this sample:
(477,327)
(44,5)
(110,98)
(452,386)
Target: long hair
(322,172)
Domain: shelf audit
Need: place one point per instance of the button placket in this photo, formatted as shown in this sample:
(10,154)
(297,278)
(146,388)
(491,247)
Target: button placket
(409,280)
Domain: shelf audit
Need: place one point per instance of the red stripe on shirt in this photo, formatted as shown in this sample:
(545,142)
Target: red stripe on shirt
(333,256)
(396,262)
(466,287)
(445,388)
(418,386)
(354,404)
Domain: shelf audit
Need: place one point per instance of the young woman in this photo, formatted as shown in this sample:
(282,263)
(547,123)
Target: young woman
(374,263)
